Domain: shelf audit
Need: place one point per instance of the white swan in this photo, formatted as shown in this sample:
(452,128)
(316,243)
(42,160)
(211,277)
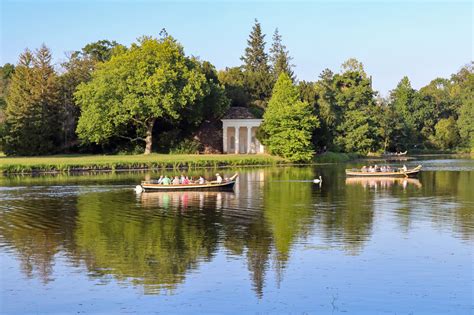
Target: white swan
(318,181)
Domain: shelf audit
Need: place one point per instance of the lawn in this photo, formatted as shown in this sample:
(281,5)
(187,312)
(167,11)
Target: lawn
(65,163)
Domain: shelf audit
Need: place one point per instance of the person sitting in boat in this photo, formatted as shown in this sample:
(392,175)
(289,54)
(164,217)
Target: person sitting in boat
(160,180)
(185,180)
(176,180)
(364,169)
(219,178)
(370,169)
(181,179)
(389,168)
(166,180)
(404,168)
(201,180)
(383,168)
(376,168)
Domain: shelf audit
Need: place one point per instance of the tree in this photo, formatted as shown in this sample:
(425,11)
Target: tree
(99,51)
(446,136)
(402,124)
(258,78)
(6,72)
(77,69)
(358,130)
(280,58)
(288,123)
(234,82)
(32,106)
(463,93)
(327,109)
(150,82)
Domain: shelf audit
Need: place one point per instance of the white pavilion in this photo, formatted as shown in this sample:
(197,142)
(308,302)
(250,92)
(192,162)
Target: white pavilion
(239,128)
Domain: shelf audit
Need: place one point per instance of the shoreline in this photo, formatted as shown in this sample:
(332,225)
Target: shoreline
(75,164)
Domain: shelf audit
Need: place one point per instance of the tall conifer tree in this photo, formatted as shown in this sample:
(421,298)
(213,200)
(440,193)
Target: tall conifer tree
(256,68)
(32,113)
(280,57)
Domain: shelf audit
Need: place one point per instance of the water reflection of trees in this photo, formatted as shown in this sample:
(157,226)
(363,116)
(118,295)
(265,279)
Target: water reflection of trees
(154,249)
(155,240)
(37,229)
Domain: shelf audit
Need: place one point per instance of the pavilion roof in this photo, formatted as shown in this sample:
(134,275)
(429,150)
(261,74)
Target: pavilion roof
(239,113)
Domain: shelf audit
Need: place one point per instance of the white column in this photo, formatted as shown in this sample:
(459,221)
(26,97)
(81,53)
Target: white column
(224,139)
(237,139)
(249,138)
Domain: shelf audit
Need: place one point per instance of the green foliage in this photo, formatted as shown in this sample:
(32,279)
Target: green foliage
(187,146)
(99,51)
(149,83)
(258,77)
(280,58)
(333,157)
(446,136)
(31,126)
(357,129)
(464,93)
(288,123)
(236,89)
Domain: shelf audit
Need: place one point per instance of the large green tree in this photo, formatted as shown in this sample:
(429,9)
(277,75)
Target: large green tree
(31,126)
(288,123)
(6,72)
(280,58)
(151,82)
(446,136)
(236,89)
(259,79)
(400,124)
(358,130)
(463,92)
(75,70)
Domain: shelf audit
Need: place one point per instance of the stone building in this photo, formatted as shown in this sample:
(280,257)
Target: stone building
(239,127)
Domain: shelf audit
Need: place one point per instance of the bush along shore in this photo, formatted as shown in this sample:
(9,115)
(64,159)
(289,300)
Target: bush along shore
(78,163)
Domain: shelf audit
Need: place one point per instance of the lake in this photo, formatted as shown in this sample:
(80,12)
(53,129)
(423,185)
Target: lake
(277,244)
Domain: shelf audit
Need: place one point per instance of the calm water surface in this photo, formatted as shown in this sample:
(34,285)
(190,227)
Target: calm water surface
(278,244)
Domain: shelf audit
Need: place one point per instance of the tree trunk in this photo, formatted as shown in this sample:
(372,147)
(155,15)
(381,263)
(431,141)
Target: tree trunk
(149,136)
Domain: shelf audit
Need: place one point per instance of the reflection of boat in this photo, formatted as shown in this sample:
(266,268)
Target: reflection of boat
(383,182)
(226,185)
(398,173)
(185,199)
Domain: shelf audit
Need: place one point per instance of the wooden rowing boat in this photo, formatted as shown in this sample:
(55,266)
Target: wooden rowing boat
(397,173)
(227,185)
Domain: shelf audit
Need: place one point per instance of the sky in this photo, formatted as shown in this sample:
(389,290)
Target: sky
(420,39)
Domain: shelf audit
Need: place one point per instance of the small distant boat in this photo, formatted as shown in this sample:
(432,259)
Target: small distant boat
(395,153)
(226,185)
(318,180)
(395,173)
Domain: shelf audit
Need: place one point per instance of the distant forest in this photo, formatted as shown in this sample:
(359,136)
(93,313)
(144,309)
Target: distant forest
(152,97)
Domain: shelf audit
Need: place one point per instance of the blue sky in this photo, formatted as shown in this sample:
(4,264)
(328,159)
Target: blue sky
(420,39)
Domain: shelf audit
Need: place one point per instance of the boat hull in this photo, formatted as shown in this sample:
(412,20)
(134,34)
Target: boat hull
(227,186)
(409,173)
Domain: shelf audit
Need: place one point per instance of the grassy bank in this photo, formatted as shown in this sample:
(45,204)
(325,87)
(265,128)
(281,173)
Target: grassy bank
(70,163)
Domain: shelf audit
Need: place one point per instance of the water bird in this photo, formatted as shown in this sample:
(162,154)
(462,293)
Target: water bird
(318,181)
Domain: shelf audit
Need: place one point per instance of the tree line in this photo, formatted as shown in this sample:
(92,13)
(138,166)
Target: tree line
(151,96)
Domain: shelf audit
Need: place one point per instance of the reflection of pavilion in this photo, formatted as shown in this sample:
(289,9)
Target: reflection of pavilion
(383,182)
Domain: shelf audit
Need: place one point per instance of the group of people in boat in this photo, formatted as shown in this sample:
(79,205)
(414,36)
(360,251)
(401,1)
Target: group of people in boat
(383,169)
(185,180)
